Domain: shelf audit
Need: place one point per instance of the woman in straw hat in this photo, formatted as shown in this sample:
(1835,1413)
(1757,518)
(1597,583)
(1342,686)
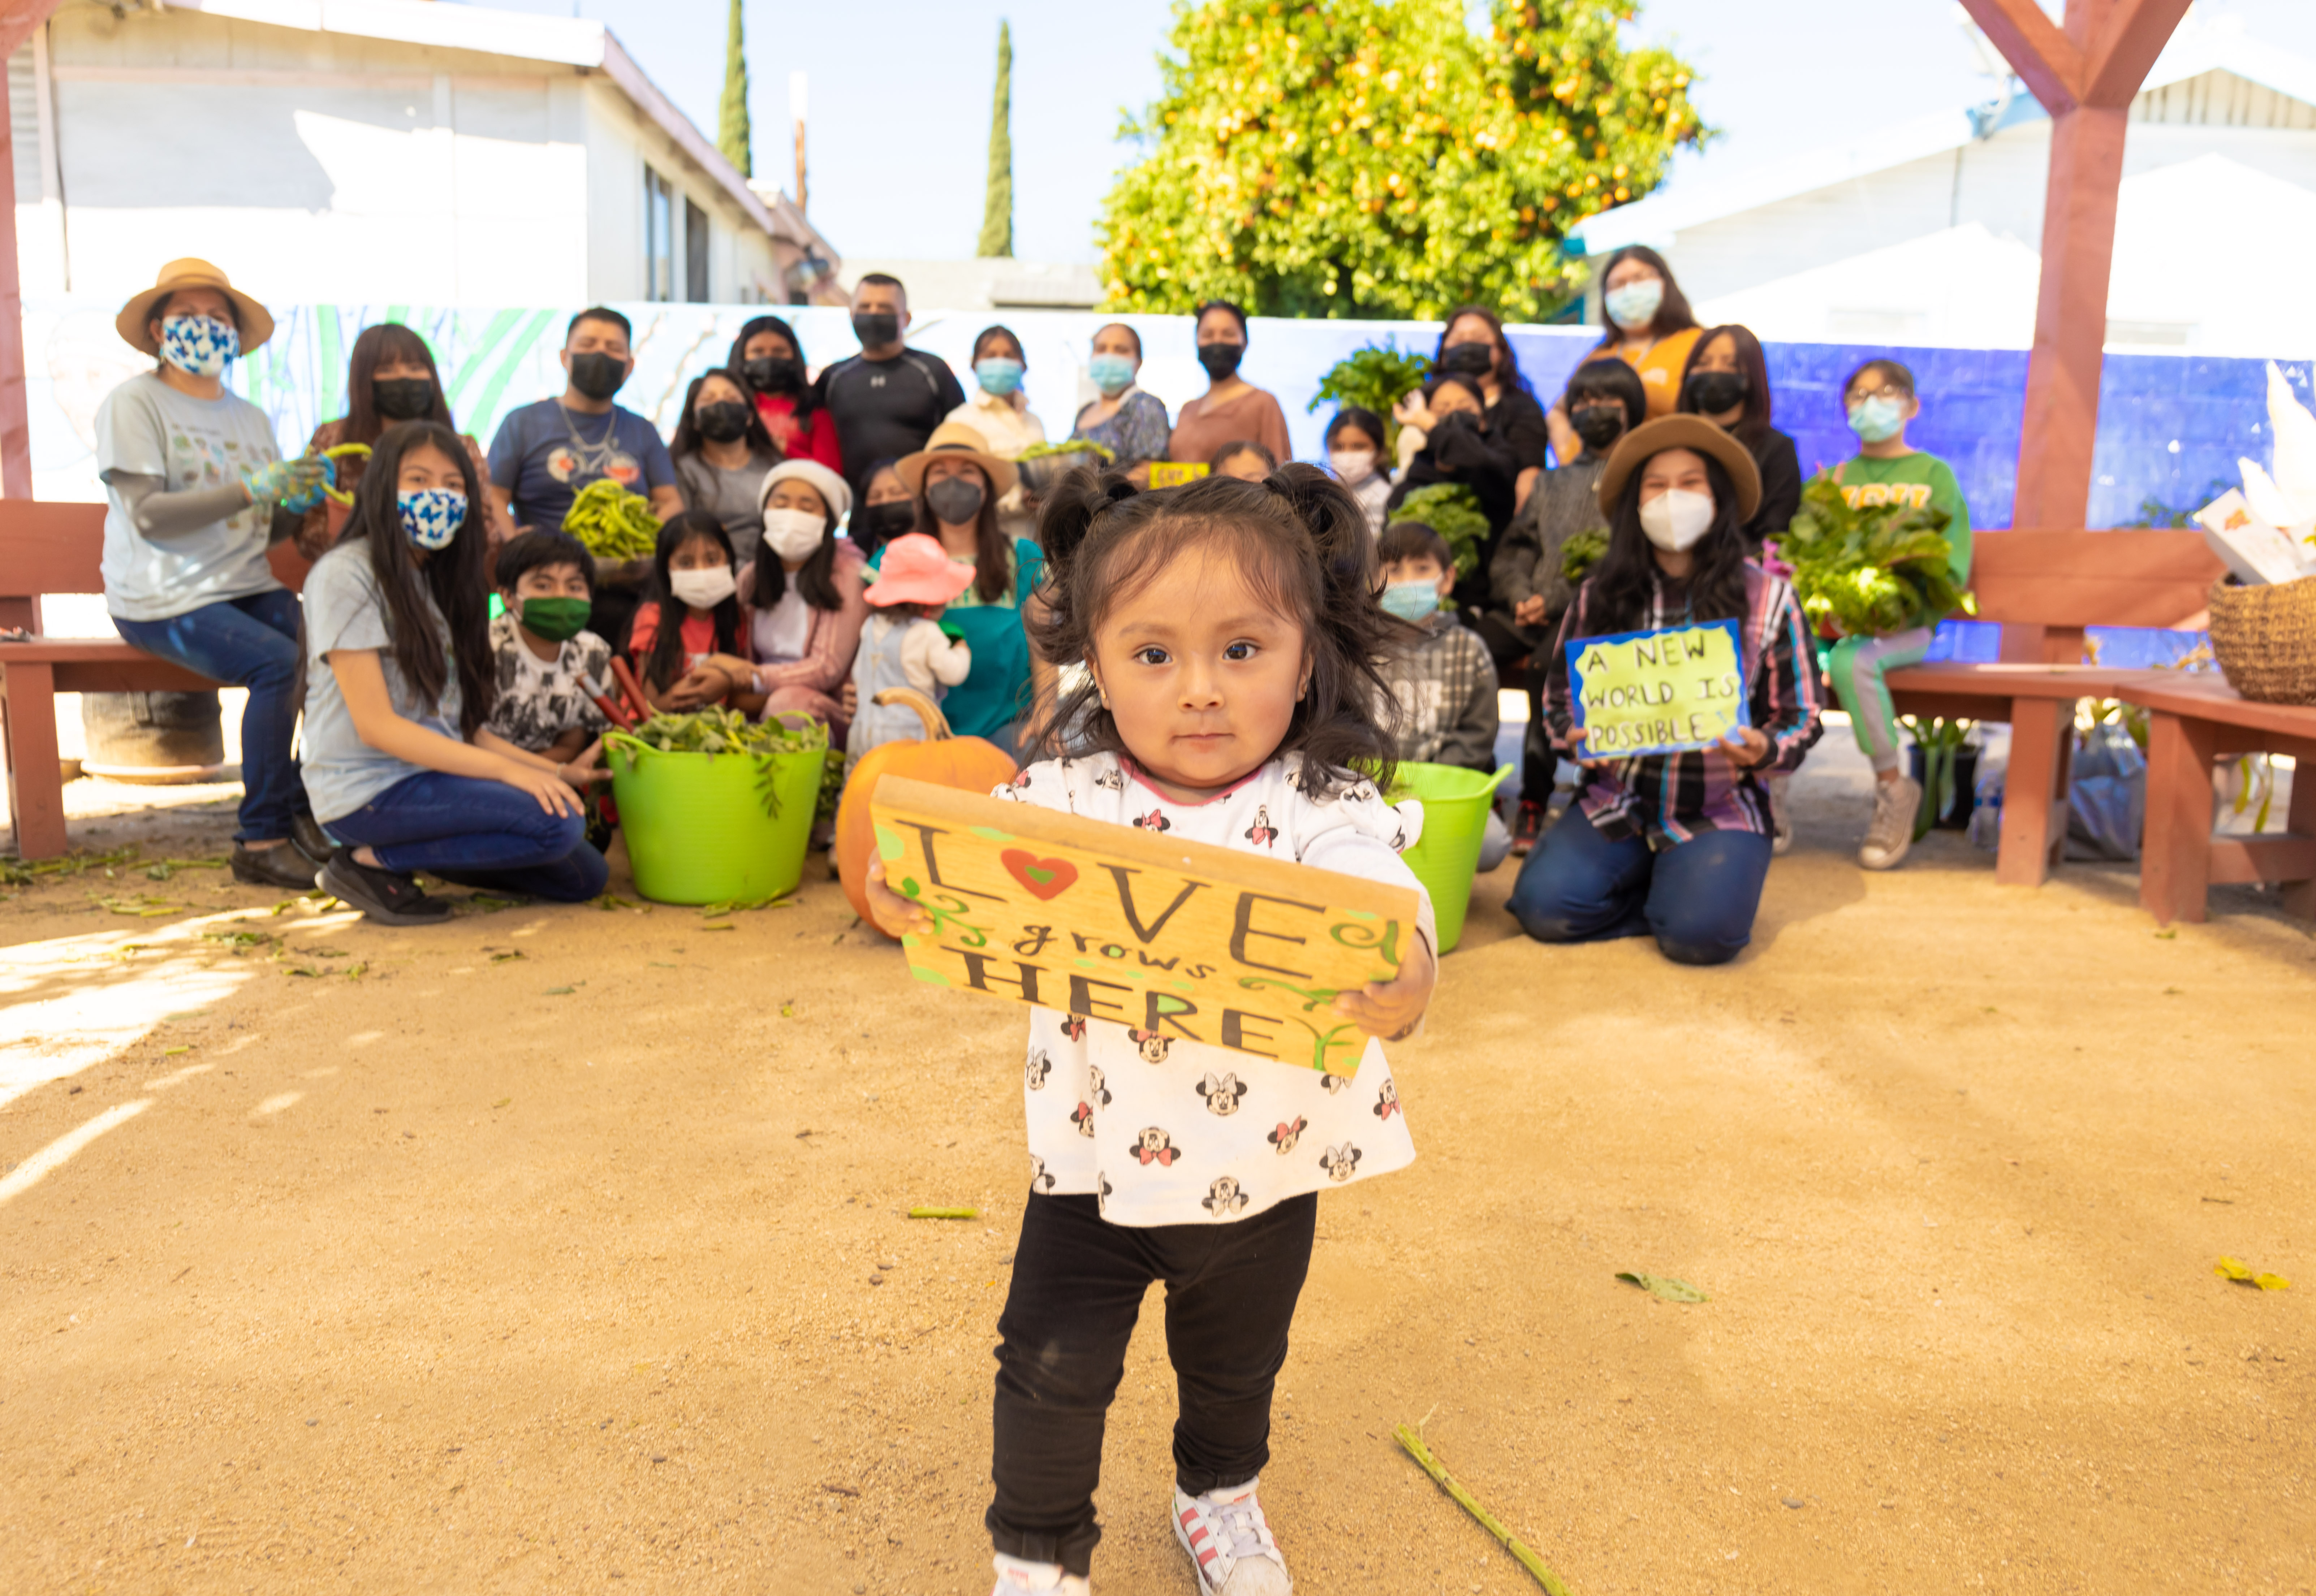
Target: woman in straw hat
(957,482)
(197,492)
(1678,844)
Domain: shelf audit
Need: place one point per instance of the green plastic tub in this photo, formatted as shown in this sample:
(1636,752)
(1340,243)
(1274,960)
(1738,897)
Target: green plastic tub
(708,828)
(1455,820)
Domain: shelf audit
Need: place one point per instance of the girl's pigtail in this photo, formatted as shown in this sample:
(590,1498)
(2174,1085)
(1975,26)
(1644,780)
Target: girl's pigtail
(1071,508)
(1337,524)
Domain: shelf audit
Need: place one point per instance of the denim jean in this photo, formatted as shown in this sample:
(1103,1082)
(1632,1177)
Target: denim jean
(245,642)
(1697,897)
(478,833)
(1078,1285)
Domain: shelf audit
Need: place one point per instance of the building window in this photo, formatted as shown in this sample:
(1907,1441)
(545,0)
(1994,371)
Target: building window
(695,254)
(659,236)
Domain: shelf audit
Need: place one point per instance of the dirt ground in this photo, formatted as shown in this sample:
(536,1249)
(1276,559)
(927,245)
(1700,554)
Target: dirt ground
(566,1249)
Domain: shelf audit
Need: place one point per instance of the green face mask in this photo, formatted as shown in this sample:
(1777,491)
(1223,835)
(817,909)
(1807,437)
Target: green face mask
(556,619)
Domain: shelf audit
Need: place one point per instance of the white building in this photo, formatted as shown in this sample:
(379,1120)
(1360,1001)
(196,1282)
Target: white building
(1930,232)
(379,150)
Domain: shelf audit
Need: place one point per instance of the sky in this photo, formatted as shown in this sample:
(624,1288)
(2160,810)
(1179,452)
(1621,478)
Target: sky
(900,94)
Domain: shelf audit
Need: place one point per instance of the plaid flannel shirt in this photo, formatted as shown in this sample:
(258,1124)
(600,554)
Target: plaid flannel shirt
(1670,798)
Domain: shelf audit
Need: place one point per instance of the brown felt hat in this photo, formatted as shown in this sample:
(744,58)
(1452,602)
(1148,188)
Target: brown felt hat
(256,323)
(956,437)
(1680,431)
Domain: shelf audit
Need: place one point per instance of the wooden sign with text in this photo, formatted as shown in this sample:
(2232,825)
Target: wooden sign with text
(1660,692)
(1169,938)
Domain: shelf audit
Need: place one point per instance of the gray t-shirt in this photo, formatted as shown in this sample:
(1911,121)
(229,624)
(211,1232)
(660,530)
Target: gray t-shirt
(145,428)
(345,610)
(730,496)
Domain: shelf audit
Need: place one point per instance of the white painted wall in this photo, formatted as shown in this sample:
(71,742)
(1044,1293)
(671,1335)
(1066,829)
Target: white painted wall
(327,167)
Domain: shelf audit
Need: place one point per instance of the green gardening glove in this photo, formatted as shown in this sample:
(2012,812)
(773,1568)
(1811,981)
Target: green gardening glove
(292,485)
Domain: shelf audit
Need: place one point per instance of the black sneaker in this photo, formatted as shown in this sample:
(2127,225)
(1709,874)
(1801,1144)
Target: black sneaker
(386,896)
(1527,826)
(308,836)
(281,866)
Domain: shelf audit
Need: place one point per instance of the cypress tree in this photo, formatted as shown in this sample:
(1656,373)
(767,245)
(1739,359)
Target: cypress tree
(733,137)
(997,211)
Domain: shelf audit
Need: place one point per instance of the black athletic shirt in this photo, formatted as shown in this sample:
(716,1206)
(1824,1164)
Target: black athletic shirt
(885,408)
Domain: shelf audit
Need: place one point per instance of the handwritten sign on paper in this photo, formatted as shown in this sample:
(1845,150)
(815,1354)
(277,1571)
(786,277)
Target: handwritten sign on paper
(1173,474)
(1657,692)
(1169,938)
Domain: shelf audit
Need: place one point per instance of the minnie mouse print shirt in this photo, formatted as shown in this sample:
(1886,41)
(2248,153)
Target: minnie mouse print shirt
(1165,1131)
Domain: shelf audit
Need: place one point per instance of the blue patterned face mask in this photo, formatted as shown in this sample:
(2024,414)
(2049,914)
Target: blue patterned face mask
(430,517)
(198,345)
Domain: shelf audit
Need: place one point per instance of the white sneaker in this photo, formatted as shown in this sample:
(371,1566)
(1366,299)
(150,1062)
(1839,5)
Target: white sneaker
(1890,834)
(1229,1543)
(1015,1577)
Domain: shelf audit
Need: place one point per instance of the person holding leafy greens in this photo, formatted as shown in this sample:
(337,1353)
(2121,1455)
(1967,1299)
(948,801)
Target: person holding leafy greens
(1472,344)
(1888,471)
(1461,448)
(1674,846)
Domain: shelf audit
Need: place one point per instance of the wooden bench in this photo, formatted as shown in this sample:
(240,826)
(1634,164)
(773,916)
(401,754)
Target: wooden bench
(2193,721)
(2046,588)
(56,548)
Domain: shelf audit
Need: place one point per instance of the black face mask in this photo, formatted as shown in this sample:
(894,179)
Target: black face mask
(1221,360)
(774,374)
(876,329)
(1712,392)
(723,423)
(884,522)
(1471,360)
(954,500)
(402,398)
(1598,425)
(598,377)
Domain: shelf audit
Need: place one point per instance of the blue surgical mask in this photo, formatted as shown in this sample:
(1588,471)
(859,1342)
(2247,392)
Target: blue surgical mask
(1877,419)
(430,517)
(997,375)
(1112,374)
(1411,602)
(198,345)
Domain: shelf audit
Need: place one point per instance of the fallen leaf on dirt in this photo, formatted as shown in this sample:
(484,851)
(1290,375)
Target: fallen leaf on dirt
(502,1103)
(166,1052)
(944,1213)
(305,970)
(719,925)
(787,1011)
(558,991)
(2243,1274)
(510,953)
(2170,936)
(1664,1286)
(356,971)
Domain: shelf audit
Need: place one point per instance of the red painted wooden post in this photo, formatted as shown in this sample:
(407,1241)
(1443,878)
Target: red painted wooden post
(15,419)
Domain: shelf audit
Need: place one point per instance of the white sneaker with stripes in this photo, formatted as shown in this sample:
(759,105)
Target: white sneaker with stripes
(1229,1543)
(1018,1577)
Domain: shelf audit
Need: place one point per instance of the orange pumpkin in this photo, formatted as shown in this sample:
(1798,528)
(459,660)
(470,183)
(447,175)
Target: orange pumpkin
(972,764)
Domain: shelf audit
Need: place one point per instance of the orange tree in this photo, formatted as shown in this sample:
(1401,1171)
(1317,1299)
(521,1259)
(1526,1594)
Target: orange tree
(1379,158)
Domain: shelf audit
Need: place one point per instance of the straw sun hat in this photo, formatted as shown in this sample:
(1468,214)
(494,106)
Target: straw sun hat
(1692,432)
(956,439)
(136,317)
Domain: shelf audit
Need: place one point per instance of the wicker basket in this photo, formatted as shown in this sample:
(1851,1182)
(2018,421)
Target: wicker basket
(2265,640)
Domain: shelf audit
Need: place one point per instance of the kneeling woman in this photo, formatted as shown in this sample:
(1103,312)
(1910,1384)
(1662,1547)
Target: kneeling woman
(1675,845)
(399,679)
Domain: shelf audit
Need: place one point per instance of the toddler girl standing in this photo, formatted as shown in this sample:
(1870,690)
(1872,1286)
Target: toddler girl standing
(1229,630)
(903,645)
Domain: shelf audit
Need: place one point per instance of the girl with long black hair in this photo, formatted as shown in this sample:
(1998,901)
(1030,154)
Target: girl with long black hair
(689,642)
(1678,844)
(398,682)
(767,354)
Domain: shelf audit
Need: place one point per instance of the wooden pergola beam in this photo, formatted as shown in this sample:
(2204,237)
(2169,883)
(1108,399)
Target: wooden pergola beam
(2086,74)
(18,18)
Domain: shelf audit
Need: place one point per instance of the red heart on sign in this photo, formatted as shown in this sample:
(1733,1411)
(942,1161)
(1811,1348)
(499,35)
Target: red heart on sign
(1046,879)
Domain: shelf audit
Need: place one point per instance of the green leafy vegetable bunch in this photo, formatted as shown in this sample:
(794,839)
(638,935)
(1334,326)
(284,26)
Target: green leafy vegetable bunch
(1870,570)
(613,523)
(718,730)
(1452,511)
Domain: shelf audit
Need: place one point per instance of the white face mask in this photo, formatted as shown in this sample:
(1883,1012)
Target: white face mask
(794,534)
(1676,518)
(1353,466)
(1634,306)
(702,590)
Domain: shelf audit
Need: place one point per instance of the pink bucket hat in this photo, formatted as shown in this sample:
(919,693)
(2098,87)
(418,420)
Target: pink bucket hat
(917,570)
